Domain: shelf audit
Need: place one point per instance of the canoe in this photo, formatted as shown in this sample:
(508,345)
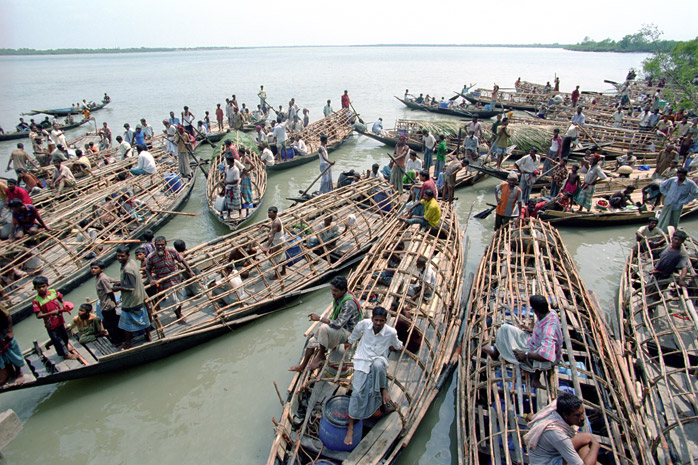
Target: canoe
(213,306)
(216,136)
(429,329)
(659,347)
(494,399)
(68,110)
(602,216)
(25,134)
(469,113)
(337,127)
(216,177)
(59,255)
(508,100)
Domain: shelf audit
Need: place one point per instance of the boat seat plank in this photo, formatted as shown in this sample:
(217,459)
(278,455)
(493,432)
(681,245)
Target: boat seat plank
(377,442)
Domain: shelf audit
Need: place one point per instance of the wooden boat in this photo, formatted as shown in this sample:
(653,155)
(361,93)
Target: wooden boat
(216,176)
(596,116)
(659,347)
(494,399)
(337,127)
(463,113)
(68,110)
(25,134)
(63,253)
(429,327)
(600,215)
(511,100)
(215,135)
(215,305)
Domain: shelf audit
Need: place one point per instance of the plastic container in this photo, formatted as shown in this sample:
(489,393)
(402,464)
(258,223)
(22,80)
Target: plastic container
(333,425)
(174,183)
(219,203)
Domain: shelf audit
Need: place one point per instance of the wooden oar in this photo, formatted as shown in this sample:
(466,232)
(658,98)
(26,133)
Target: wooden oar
(198,163)
(356,113)
(312,184)
(170,212)
(485,213)
(589,136)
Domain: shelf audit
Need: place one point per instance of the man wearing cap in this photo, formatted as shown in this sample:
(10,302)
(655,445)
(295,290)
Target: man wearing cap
(528,167)
(128,134)
(593,175)
(677,191)
(508,198)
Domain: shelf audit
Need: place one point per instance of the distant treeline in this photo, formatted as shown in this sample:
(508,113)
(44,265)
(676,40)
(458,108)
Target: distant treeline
(75,51)
(631,43)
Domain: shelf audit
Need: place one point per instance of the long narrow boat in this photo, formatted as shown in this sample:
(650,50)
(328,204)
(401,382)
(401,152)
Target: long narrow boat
(237,280)
(494,399)
(660,338)
(603,215)
(214,185)
(25,134)
(337,127)
(511,100)
(463,113)
(68,111)
(90,229)
(427,323)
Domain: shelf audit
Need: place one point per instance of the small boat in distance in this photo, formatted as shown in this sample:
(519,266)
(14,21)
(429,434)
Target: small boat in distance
(68,110)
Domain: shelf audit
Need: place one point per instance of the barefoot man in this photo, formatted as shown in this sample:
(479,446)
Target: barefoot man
(370,396)
(536,350)
(334,330)
(275,241)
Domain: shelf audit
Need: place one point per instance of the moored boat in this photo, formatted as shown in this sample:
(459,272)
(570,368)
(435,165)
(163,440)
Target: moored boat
(215,185)
(237,279)
(467,112)
(337,127)
(90,229)
(659,347)
(68,111)
(427,320)
(494,398)
(25,134)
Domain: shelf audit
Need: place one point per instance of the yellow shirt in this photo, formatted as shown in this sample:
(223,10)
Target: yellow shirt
(432,212)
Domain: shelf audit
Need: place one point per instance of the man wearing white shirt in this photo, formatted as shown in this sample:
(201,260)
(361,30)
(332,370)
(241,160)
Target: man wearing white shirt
(429,143)
(618,118)
(528,167)
(57,136)
(267,155)
(280,136)
(124,148)
(299,145)
(146,162)
(370,381)
(413,163)
(327,110)
(579,117)
(170,138)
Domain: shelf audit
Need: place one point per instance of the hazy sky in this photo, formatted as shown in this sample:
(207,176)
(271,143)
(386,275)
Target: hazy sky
(46,24)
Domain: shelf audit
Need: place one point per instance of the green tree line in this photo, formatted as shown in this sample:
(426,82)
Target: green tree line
(637,42)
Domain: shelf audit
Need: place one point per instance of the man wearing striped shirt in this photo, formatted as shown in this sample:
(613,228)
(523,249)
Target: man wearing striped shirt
(162,268)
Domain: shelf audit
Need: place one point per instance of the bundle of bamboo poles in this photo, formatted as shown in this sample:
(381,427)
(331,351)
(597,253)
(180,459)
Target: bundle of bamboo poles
(495,399)
(84,231)
(428,321)
(215,183)
(360,212)
(659,349)
(337,127)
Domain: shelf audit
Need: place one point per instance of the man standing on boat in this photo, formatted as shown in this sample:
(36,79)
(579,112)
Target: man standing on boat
(332,331)
(188,120)
(501,142)
(346,101)
(275,242)
(134,316)
(508,197)
(325,166)
(400,159)
(327,110)
(162,269)
(107,302)
(593,175)
(528,167)
(552,438)
(677,191)
(575,96)
(262,94)
(428,142)
(536,349)
(170,138)
(370,382)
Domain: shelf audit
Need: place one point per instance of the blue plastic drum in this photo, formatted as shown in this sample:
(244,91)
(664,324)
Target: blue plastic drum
(333,425)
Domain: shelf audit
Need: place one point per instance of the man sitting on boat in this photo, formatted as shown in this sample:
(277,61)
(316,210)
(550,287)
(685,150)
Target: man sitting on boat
(673,258)
(377,127)
(650,232)
(332,331)
(536,350)
(432,213)
(369,383)
(553,438)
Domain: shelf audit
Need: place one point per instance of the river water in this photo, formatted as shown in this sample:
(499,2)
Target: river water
(214,403)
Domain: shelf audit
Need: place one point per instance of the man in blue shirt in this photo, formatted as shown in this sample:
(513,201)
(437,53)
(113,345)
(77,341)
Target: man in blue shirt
(677,191)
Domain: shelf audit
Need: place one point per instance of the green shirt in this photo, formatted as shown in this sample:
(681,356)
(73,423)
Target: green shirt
(441,150)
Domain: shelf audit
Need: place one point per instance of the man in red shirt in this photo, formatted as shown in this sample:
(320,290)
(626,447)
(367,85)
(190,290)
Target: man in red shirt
(575,96)
(15,192)
(25,220)
(219,116)
(345,100)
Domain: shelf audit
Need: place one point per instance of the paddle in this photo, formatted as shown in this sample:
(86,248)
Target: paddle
(312,184)
(205,137)
(357,115)
(198,163)
(485,213)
